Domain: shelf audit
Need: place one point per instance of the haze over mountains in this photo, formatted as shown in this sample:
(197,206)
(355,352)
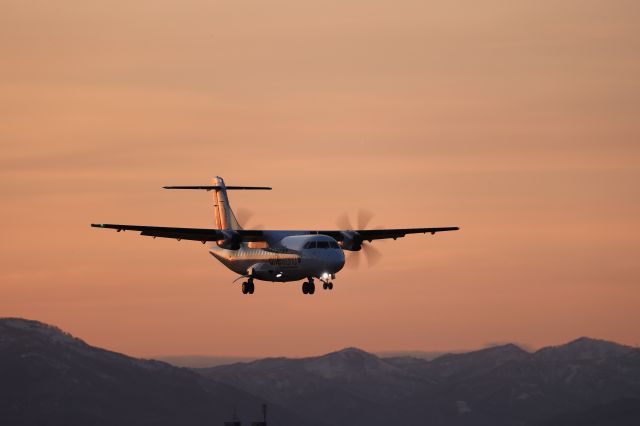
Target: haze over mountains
(50,377)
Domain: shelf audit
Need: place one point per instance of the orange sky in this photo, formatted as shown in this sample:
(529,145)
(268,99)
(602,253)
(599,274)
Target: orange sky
(518,122)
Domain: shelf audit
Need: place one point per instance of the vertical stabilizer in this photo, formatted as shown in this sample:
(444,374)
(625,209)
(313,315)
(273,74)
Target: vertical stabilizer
(225,219)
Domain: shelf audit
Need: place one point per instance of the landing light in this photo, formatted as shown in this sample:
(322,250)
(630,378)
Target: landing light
(279,274)
(325,276)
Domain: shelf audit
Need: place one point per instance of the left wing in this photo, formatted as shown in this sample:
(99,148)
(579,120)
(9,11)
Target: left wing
(194,234)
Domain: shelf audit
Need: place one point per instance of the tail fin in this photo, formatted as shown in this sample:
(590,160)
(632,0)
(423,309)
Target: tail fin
(225,219)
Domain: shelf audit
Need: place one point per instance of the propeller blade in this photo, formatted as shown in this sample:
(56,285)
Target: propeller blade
(372,254)
(243,216)
(343,222)
(364,217)
(352,259)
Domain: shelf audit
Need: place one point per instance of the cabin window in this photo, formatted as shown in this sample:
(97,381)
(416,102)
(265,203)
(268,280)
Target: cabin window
(334,245)
(310,245)
(323,244)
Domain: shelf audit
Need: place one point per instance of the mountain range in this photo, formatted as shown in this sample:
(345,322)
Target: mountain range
(205,361)
(48,377)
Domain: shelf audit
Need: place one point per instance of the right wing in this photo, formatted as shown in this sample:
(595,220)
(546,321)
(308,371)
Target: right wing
(380,234)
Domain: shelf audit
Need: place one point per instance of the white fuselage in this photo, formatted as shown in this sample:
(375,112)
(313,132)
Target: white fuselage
(291,258)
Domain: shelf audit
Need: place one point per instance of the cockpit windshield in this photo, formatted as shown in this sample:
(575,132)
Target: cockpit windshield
(321,245)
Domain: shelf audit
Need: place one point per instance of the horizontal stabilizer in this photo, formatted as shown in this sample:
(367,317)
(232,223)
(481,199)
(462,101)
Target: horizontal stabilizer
(212,187)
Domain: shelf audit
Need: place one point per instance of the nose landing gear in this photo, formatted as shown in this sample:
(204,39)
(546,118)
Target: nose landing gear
(327,284)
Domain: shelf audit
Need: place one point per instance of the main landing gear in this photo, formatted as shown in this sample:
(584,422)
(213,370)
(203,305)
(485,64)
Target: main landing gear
(308,287)
(248,287)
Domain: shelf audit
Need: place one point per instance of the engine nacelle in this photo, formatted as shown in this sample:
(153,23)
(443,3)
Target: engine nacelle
(232,240)
(351,241)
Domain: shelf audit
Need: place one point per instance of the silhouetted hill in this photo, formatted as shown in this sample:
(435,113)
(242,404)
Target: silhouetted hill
(202,361)
(454,367)
(502,385)
(48,377)
(348,384)
(428,355)
(583,348)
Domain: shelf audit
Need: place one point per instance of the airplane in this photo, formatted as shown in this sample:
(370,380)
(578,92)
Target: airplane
(272,255)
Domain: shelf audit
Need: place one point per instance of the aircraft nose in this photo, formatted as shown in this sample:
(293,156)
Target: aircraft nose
(339,261)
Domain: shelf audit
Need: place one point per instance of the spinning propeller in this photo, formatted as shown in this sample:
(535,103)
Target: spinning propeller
(243,216)
(356,246)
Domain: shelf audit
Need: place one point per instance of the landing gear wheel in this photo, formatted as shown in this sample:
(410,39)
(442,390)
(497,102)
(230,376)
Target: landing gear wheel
(325,286)
(248,287)
(330,286)
(308,287)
